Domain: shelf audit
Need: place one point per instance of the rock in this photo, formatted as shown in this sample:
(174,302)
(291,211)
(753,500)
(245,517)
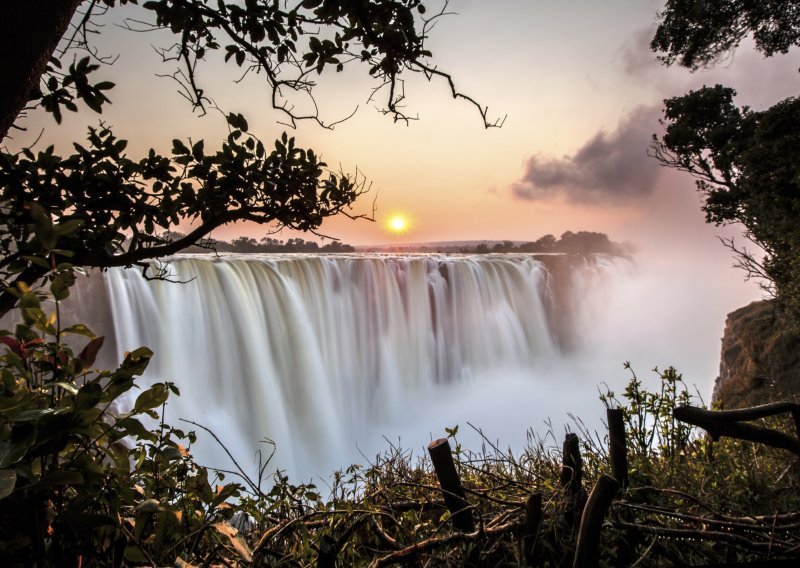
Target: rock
(760,359)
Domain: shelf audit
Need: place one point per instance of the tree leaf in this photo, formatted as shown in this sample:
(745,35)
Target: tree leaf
(153,397)
(8,480)
(89,353)
(69,226)
(79,329)
(11,453)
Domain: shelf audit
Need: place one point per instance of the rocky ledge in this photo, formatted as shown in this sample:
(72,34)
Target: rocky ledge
(760,359)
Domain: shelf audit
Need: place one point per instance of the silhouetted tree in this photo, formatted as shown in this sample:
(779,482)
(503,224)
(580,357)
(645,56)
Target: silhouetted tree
(746,163)
(698,32)
(100,208)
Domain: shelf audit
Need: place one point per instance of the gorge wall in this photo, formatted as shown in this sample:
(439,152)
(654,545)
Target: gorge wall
(760,359)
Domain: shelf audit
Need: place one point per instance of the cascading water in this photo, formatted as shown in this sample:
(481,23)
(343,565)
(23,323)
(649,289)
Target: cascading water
(313,351)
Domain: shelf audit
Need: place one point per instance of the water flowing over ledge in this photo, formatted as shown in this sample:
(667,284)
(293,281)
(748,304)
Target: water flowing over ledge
(313,350)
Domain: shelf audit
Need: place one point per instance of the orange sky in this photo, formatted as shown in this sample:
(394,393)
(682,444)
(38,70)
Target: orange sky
(570,76)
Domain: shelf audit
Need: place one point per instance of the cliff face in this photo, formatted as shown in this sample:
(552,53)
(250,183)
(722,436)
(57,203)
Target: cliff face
(760,359)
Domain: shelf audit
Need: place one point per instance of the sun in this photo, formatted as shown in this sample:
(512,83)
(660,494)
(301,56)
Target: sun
(397,223)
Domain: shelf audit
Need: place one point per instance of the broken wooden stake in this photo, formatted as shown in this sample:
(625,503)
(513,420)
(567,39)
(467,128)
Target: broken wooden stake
(617,445)
(326,555)
(571,480)
(449,481)
(530,527)
(586,549)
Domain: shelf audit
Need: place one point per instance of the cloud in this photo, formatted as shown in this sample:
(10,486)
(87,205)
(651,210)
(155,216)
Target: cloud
(611,168)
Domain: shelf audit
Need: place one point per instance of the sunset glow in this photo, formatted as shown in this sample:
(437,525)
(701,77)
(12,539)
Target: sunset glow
(397,223)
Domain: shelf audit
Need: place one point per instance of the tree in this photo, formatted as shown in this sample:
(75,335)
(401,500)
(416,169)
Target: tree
(745,163)
(100,208)
(694,33)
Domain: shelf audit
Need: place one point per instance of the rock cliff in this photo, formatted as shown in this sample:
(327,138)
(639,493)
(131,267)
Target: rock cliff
(760,359)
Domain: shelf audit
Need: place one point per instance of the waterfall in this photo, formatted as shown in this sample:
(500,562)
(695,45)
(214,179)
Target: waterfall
(313,350)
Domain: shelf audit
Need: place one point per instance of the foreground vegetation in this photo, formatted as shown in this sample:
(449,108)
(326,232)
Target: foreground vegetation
(84,483)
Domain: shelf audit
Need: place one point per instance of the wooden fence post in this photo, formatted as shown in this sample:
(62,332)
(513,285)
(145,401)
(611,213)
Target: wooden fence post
(586,549)
(453,492)
(571,478)
(326,554)
(571,465)
(617,446)
(530,528)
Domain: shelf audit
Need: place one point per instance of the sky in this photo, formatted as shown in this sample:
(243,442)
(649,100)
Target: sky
(581,93)
(579,88)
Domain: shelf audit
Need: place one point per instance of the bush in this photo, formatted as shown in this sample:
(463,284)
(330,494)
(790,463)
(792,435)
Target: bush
(85,481)
(82,482)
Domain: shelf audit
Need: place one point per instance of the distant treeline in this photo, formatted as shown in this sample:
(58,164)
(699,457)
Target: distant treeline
(266,245)
(582,241)
(569,242)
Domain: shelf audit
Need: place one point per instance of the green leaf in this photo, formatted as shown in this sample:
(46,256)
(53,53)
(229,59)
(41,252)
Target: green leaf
(37,415)
(137,360)
(61,284)
(88,396)
(61,477)
(69,387)
(134,427)
(69,226)
(79,329)
(38,261)
(134,554)
(153,397)
(43,226)
(8,480)
(11,453)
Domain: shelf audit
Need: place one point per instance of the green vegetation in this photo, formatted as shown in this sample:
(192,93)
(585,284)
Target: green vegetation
(582,242)
(745,162)
(84,484)
(267,244)
(698,32)
(569,242)
(264,245)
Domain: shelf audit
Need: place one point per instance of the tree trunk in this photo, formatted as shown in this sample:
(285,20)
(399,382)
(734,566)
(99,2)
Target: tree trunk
(29,34)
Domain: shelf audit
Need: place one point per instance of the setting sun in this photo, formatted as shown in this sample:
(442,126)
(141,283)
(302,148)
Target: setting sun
(397,223)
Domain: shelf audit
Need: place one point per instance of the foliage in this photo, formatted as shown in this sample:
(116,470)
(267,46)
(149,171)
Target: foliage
(269,245)
(569,242)
(651,428)
(100,208)
(699,32)
(745,163)
(289,44)
(84,481)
